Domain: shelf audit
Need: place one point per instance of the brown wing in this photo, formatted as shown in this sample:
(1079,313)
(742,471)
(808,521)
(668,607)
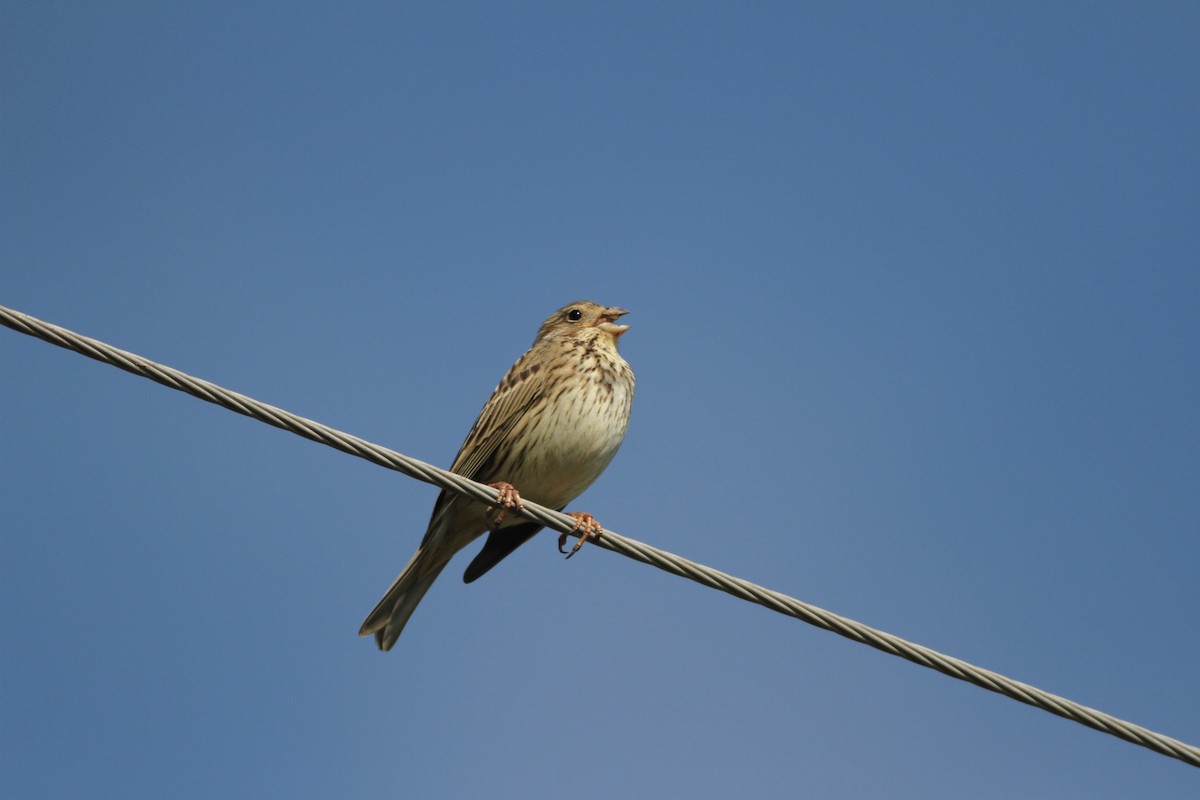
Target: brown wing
(516,394)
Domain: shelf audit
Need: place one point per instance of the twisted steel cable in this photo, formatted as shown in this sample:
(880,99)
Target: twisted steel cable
(610,540)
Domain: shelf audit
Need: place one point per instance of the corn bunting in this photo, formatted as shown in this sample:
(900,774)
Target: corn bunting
(548,430)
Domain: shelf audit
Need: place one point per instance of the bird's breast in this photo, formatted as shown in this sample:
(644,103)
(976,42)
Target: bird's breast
(577,434)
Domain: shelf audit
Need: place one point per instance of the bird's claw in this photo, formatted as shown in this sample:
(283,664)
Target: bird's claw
(591,530)
(507,497)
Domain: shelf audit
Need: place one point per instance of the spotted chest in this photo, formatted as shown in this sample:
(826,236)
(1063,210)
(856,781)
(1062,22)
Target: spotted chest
(581,426)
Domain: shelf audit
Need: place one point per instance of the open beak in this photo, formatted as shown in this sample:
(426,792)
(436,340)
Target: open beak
(608,322)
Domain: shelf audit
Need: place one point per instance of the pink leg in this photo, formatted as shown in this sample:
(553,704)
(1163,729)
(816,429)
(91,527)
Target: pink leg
(508,498)
(591,530)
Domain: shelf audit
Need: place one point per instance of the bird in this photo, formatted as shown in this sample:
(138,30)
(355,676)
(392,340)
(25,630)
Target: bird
(550,427)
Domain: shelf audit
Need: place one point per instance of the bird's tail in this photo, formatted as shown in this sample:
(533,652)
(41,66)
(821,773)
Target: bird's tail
(388,618)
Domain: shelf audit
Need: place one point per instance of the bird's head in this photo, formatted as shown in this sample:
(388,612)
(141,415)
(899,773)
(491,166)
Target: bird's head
(584,320)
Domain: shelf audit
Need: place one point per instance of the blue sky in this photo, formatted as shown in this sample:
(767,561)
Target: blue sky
(915,298)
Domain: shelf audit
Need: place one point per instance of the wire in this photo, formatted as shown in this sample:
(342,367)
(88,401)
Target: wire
(610,540)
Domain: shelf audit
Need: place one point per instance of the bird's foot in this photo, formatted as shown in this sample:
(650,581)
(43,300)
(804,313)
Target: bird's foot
(591,530)
(508,498)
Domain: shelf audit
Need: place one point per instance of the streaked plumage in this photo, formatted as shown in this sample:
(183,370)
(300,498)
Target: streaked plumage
(549,429)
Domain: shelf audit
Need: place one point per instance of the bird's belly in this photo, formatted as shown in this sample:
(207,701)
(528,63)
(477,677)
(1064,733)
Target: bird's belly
(571,446)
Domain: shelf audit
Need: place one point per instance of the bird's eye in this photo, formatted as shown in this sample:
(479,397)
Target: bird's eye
(574,315)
